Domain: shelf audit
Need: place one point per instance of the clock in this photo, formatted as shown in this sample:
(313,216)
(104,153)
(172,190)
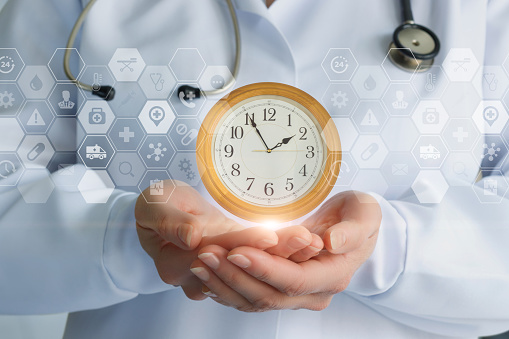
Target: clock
(268,152)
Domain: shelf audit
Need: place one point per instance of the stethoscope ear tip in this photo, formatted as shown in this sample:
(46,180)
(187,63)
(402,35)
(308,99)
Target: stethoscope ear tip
(105,92)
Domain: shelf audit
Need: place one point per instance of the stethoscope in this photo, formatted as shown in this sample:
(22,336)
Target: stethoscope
(413,48)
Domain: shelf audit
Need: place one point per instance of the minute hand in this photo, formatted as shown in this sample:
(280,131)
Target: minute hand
(259,134)
(283,142)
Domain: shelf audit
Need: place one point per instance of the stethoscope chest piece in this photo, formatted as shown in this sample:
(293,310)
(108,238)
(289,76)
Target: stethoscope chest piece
(413,47)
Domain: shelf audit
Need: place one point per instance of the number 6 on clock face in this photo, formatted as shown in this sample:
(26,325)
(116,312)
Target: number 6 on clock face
(268,152)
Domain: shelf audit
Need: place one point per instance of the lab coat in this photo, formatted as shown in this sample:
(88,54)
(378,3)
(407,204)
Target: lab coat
(437,270)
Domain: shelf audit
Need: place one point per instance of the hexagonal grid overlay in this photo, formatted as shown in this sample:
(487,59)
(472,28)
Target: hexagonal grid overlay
(430,84)
(61,140)
(347,171)
(11,134)
(369,151)
(460,99)
(460,64)
(187,64)
(460,169)
(36,117)
(370,82)
(430,187)
(126,64)
(460,134)
(492,188)
(156,151)
(36,82)
(96,151)
(369,116)
(490,117)
(400,99)
(394,72)
(65,172)
(65,99)
(186,103)
(347,132)
(11,99)
(96,116)
(340,99)
(215,77)
(493,151)
(400,169)
(184,132)
(126,134)
(126,169)
(339,64)
(35,151)
(96,186)
(11,64)
(400,134)
(183,167)
(156,117)
(96,76)
(155,186)
(430,116)
(430,151)
(157,82)
(370,181)
(129,99)
(36,186)
(56,62)
(494,82)
(11,169)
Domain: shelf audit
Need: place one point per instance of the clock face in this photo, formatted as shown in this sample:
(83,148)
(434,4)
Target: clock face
(268,151)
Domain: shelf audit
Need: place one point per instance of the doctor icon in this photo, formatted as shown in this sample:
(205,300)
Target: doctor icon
(400,103)
(66,103)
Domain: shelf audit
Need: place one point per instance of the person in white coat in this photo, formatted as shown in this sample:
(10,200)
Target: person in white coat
(391,268)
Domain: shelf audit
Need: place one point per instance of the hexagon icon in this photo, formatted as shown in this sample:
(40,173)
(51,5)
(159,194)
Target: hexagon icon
(156,151)
(11,169)
(184,132)
(183,168)
(430,116)
(35,151)
(340,99)
(400,99)
(126,134)
(187,64)
(493,151)
(11,134)
(430,187)
(96,151)
(126,64)
(96,186)
(370,82)
(339,64)
(394,72)
(156,186)
(156,117)
(460,99)
(347,133)
(460,64)
(494,82)
(490,117)
(126,169)
(11,64)
(369,151)
(11,99)
(64,169)
(36,186)
(347,170)
(400,134)
(56,62)
(65,99)
(185,102)
(492,188)
(431,83)
(157,82)
(96,76)
(215,78)
(460,134)
(460,169)
(36,82)
(430,151)
(400,169)
(96,116)
(36,117)
(129,99)
(369,116)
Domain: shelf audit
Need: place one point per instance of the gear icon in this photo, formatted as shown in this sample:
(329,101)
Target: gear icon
(190,175)
(185,165)
(6,99)
(339,99)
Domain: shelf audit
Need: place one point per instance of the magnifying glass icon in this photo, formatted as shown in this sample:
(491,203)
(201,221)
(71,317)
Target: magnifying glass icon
(126,168)
(459,169)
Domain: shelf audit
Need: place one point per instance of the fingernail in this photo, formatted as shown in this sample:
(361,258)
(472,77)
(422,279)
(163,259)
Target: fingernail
(185,233)
(239,260)
(205,290)
(210,260)
(297,242)
(267,243)
(337,239)
(314,249)
(201,273)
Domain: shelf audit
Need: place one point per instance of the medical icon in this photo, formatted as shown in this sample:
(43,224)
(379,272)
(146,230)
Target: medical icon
(369,83)
(431,80)
(11,168)
(7,64)
(97,116)
(36,151)
(126,168)
(460,64)
(491,81)
(36,83)
(156,187)
(490,152)
(7,99)
(187,136)
(95,152)
(186,98)
(430,116)
(128,98)
(369,151)
(36,119)
(157,151)
(339,64)
(460,134)
(369,116)
(126,134)
(429,152)
(490,114)
(66,103)
(185,166)
(369,119)
(66,170)
(184,132)
(158,81)
(126,64)
(97,81)
(217,81)
(400,103)
(459,169)
(36,116)
(400,169)
(7,168)
(339,99)
(490,187)
(157,115)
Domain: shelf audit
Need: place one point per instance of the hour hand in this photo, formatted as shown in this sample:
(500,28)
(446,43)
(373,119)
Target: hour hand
(283,142)
(258,132)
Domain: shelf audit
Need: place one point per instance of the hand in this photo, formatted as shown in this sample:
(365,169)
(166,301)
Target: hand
(258,132)
(283,142)
(249,279)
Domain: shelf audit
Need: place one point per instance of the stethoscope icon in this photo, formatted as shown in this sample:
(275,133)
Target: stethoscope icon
(491,80)
(157,80)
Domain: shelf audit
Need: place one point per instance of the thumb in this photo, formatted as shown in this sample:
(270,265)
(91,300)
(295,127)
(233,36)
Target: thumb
(345,236)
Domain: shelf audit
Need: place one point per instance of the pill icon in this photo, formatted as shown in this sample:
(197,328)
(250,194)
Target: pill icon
(369,151)
(189,135)
(36,151)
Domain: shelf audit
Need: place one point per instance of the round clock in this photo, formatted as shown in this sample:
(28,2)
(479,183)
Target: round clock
(268,152)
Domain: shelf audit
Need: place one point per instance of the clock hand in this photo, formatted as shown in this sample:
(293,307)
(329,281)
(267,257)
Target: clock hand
(283,142)
(259,134)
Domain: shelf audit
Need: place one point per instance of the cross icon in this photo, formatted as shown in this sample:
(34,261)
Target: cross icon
(490,114)
(190,95)
(460,134)
(126,134)
(156,114)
